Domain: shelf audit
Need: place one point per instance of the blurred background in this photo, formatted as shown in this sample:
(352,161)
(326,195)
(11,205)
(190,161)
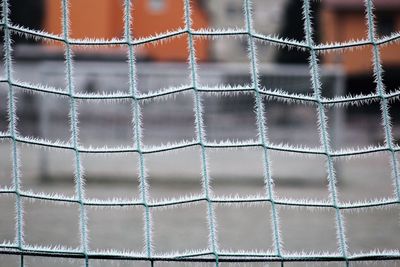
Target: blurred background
(223,61)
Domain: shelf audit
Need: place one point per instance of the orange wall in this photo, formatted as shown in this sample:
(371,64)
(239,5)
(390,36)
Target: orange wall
(104,19)
(346,26)
(88,18)
(147,22)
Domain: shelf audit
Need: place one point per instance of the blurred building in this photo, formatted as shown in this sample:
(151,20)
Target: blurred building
(151,17)
(104,19)
(345,20)
(229,14)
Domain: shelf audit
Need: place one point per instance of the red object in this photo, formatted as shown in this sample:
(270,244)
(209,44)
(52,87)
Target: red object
(103,19)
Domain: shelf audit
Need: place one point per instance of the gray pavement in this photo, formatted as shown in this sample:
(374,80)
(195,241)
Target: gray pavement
(180,228)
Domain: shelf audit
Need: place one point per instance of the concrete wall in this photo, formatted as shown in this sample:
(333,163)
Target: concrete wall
(267,19)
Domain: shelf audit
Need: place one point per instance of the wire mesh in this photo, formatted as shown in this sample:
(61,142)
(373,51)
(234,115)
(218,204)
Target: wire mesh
(213,253)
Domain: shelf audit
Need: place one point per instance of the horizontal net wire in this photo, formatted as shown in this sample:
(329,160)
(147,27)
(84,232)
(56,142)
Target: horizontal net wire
(212,253)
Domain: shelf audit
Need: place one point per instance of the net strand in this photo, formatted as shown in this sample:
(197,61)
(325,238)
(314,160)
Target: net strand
(29,33)
(380,88)
(273,93)
(201,134)
(183,201)
(143,185)
(79,179)
(13,131)
(262,129)
(323,129)
(225,257)
(212,145)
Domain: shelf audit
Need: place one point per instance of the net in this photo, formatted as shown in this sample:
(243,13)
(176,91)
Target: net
(213,253)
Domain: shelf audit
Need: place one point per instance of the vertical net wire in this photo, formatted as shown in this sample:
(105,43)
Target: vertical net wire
(380,90)
(201,135)
(13,129)
(323,128)
(213,253)
(79,183)
(143,185)
(262,129)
